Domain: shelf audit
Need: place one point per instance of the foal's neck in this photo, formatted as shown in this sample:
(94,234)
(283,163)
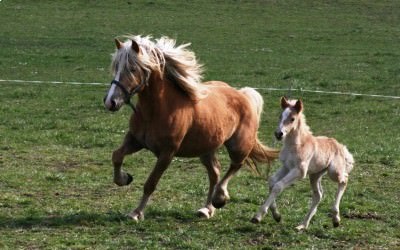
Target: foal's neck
(300,134)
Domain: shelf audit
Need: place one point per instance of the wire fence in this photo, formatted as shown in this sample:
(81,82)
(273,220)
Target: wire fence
(266,88)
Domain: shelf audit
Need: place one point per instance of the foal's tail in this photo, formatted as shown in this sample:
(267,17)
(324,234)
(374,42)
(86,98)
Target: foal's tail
(348,157)
(260,152)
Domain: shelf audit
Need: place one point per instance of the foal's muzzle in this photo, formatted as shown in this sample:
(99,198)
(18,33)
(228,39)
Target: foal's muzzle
(278,135)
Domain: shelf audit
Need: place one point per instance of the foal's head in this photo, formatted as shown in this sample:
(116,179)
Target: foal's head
(130,75)
(289,120)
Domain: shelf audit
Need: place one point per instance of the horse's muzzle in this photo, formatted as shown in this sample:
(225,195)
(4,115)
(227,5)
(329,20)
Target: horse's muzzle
(111,106)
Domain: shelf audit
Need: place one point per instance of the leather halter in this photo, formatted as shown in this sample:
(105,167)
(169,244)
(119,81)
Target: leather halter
(127,95)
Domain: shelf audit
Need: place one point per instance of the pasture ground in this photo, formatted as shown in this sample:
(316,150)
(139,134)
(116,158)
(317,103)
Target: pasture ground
(56,140)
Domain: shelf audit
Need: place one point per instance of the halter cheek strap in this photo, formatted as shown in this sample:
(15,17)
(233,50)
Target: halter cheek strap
(127,95)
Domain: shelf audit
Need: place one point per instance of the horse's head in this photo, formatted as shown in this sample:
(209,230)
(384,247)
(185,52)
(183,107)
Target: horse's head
(289,118)
(129,77)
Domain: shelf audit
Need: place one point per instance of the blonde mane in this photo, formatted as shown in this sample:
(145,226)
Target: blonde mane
(176,63)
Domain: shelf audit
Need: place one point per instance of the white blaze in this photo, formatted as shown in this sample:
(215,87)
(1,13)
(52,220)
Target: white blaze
(285,115)
(111,91)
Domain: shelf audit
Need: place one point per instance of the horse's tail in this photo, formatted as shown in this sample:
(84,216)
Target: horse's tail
(260,152)
(255,99)
(348,157)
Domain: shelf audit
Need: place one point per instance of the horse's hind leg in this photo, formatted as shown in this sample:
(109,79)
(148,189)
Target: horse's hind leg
(221,195)
(315,182)
(213,169)
(129,146)
(238,147)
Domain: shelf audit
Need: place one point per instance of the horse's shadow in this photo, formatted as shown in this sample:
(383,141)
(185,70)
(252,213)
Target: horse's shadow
(84,218)
(75,219)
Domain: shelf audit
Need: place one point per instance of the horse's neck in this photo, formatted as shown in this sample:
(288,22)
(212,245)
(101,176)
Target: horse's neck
(158,97)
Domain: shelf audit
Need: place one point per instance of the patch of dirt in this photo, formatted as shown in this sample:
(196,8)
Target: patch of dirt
(363,216)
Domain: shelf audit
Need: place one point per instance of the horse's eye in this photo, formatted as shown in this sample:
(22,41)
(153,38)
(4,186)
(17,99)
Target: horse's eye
(292,119)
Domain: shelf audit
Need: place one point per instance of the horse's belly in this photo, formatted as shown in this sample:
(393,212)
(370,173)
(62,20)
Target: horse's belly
(200,143)
(198,147)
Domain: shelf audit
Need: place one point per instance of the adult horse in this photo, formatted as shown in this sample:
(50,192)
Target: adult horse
(177,115)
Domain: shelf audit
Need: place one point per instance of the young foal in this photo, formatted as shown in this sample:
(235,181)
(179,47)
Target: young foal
(304,154)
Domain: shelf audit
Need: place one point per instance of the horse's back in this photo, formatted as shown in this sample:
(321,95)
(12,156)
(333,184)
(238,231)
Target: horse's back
(224,114)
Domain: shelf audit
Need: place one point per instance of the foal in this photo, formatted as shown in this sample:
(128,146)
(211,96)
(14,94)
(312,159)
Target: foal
(304,154)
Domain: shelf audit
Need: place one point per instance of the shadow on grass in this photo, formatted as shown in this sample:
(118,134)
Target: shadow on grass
(76,219)
(84,218)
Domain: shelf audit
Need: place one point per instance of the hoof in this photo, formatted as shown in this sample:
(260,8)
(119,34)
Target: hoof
(136,216)
(301,228)
(255,220)
(277,217)
(204,213)
(336,224)
(219,204)
(130,179)
(123,180)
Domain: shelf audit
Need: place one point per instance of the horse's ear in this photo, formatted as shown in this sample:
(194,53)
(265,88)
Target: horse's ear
(284,103)
(298,106)
(118,43)
(135,47)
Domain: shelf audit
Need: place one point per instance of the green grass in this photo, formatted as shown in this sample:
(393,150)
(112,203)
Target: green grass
(56,139)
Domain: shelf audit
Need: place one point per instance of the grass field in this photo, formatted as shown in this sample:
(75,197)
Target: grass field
(56,189)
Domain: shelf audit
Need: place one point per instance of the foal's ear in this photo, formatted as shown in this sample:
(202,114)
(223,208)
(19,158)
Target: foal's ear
(298,106)
(284,103)
(118,43)
(135,46)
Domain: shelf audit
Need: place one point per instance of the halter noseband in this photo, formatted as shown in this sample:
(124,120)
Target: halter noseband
(127,95)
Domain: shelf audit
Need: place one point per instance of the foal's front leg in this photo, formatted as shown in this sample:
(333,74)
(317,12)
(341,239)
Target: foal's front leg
(293,175)
(162,164)
(315,182)
(129,146)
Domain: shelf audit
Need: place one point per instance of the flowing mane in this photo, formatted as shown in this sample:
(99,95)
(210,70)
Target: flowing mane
(177,63)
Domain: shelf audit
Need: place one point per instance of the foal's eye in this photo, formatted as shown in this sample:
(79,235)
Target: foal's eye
(292,119)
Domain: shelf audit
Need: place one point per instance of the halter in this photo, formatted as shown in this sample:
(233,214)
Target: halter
(127,95)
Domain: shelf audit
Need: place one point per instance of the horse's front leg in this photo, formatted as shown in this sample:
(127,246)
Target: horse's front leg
(162,164)
(129,146)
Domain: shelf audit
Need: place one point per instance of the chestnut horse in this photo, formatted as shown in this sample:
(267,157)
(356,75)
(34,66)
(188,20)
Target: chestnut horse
(177,115)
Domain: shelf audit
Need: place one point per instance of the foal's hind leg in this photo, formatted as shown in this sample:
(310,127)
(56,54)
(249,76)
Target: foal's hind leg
(213,169)
(338,174)
(335,208)
(129,146)
(315,182)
